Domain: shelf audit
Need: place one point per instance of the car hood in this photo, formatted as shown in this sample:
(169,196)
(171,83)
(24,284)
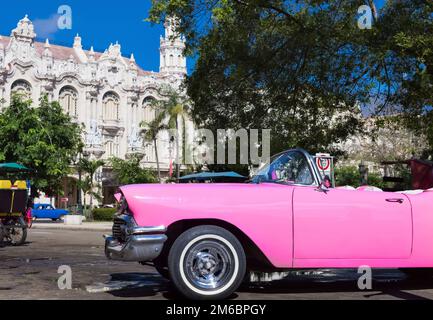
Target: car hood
(260,211)
(177,191)
(186,199)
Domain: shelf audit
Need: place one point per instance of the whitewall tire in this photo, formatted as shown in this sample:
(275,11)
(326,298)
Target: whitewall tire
(207,263)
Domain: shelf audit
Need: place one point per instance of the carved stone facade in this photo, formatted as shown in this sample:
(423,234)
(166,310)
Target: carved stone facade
(105,91)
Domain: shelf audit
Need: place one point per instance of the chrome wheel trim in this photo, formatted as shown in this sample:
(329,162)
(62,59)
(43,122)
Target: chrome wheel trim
(208,264)
(226,272)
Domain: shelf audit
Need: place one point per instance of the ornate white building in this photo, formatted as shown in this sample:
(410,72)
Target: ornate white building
(108,93)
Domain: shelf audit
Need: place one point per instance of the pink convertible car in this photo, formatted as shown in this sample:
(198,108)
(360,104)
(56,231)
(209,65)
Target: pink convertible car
(208,237)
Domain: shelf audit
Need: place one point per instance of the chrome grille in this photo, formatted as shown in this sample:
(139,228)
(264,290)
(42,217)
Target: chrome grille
(118,229)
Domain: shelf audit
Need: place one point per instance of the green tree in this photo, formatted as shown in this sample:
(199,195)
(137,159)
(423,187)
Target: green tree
(174,106)
(153,128)
(407,48)
(85,185)
(43,138)
(130,172)
(303,68)
(350,176)
(267,64)
(88,185)
(347,176)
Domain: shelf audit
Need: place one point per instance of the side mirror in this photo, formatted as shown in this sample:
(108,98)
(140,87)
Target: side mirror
(325,185)
(327,182)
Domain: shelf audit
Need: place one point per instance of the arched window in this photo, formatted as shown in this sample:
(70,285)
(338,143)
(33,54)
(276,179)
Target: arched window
(68,99)
(110,104)
(171,60)
(148,113)
(22,88)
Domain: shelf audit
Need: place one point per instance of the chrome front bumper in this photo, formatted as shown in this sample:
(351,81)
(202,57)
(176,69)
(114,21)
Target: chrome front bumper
(141,244)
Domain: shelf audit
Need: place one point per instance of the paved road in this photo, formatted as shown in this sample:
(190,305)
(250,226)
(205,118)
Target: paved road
(30,272)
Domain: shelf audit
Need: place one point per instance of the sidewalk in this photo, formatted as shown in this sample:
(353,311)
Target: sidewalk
(86,226)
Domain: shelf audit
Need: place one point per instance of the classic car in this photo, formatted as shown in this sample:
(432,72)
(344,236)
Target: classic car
(207,238)
(48,211)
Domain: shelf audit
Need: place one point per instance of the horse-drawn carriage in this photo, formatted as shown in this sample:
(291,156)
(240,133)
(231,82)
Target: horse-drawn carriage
(15,206)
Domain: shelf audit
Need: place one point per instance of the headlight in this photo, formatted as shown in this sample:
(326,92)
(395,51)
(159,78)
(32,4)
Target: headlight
(123,206)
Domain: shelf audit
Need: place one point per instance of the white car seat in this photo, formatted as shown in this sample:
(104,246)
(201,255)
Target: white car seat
(369,188)
(411,192)
(346,188)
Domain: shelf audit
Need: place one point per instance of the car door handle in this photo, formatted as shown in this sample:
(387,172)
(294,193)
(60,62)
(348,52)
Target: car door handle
(395,200)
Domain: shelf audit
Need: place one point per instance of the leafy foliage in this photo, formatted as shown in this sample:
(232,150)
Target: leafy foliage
(103,214)
(130,171)
(152,130)
(88,185)
(303,68)
(350,176)
(410,39)
(42,138)
(173,106)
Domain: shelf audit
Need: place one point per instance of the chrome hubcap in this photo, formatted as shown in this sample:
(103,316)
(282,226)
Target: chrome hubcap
(209,265)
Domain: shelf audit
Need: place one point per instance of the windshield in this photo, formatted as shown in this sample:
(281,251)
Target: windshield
(289,168)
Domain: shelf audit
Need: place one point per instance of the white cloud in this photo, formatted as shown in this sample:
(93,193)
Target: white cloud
(47,28)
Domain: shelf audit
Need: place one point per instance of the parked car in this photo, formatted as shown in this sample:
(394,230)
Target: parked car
(48,211)
(206,237)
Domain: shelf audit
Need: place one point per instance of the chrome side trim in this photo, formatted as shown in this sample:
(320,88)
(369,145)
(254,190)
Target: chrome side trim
(150,238)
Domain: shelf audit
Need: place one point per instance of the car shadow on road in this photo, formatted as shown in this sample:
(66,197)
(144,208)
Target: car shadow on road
(388,284)
(385,284)
(138,285)
(132,285)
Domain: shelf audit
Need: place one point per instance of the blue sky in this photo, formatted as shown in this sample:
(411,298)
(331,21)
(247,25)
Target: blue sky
(98,23)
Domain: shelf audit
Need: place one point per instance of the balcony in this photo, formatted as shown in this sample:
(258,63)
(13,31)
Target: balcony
(135,152)
(97,151)
(112,125)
